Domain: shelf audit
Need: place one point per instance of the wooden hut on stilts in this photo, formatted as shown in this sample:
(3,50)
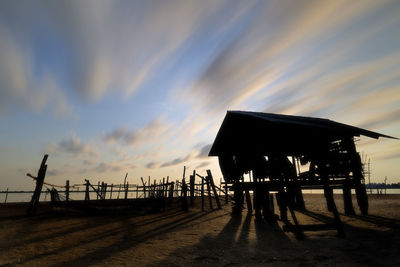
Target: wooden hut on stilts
(286,154)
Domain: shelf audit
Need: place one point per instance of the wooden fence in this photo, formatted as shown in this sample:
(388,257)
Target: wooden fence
(199,186)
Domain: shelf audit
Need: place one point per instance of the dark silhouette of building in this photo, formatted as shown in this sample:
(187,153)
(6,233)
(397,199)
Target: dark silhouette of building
(285,154)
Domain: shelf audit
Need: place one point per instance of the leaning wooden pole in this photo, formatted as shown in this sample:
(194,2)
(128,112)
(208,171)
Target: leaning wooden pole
(39,185)
(211,179)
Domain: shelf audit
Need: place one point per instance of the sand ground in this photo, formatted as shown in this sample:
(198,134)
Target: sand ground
(209,238)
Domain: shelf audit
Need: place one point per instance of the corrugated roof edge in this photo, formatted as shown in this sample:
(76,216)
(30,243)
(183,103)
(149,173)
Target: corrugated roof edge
(309,120)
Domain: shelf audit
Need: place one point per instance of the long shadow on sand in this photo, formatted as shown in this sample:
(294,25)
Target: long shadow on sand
(252,242)
(130,238)
(243,240)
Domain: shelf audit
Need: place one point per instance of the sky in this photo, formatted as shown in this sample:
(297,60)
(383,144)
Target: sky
(141,87)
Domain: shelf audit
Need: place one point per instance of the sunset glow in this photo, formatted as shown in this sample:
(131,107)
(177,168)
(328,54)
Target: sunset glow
(141,87)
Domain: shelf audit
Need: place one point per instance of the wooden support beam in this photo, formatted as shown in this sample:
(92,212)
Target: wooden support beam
(358,177)
(94,189)
(248,201)
(347,201)
(144,187)
(211,179)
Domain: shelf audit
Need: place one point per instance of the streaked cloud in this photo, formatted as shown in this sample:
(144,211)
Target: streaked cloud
(203,165)
(147,133)
(152,164)
(290,68)
(383,120)
(176,161)
(204,151)
(106,167)
(20,88)
(72,146)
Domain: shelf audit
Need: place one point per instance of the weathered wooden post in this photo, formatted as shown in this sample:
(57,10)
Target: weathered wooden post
(149,187)
(166,187)
(87,196)
(358,177)
(192,179)
(209,191)
(226,192)
(5,200)
(154,188)
(119,190)
(126,190)
(101,191)
(67,190)
(211,179)
(202,194)
(98,190)
(328,192)
(144,187)
(105,190)
(248,201)
(111,190)
(39,185)
(347,201)
(171,191)
(184,195)
(298,194)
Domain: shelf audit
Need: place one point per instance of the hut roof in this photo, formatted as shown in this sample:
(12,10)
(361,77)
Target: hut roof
(256,132)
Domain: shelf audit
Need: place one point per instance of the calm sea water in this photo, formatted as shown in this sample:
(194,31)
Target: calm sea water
(26,197)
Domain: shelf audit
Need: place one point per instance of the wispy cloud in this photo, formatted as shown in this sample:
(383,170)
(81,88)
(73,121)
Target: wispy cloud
(382,120)
(147,133)
(298,66)
(176,161)
(152,165)
(116,45)
(106,167)
(204,151)
(71,146)
(21,88)
(203,165)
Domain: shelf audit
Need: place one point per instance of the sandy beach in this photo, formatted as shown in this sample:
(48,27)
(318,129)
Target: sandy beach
(209,238)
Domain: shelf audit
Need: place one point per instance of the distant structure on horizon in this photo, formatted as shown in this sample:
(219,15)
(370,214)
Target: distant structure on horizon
(274,150)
